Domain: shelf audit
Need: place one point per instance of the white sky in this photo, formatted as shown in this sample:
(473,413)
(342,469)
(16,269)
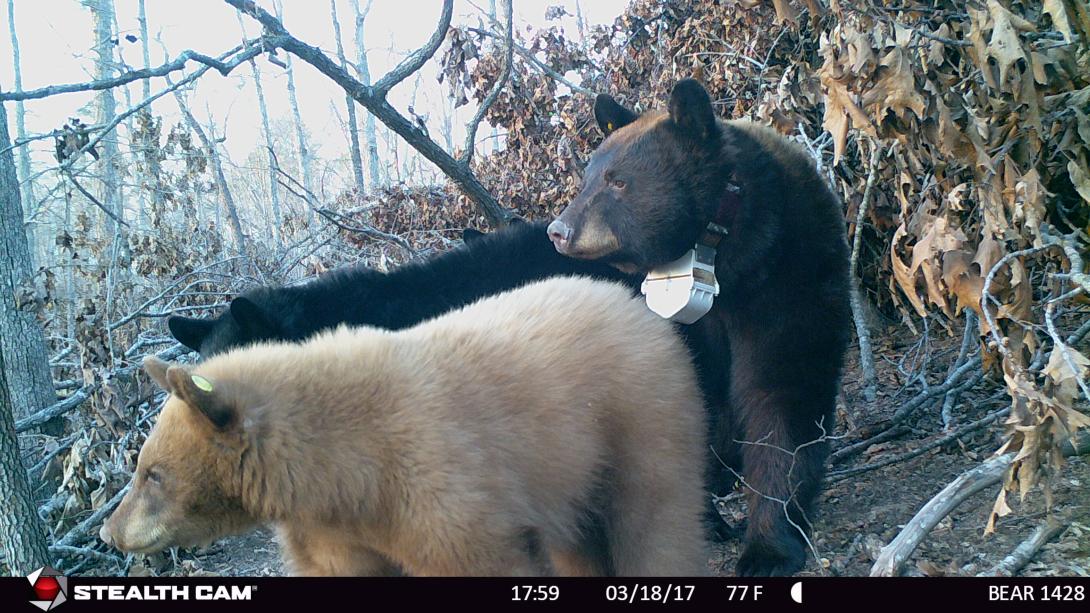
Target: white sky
(56,40)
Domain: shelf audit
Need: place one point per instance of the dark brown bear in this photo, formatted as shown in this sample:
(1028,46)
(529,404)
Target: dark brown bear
(663,181)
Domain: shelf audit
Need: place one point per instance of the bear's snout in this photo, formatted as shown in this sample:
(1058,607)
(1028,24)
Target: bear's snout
(560,235)
(104,534)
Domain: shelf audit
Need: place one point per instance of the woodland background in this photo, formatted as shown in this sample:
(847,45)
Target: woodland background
(956,133)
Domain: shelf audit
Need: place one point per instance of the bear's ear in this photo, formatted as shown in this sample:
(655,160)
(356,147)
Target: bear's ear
(190,331)
(610,115)
(201,394)
(691,111)
(157,370)
(252,319)
(470,235)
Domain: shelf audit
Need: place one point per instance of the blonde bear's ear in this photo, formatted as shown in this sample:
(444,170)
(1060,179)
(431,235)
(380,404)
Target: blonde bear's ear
(157,370)
(200,394)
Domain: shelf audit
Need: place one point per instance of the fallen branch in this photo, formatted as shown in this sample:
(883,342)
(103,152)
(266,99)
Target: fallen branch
(893,557)
(922,449)
(1024,552)
(56,409)
(847,451)
(83,529)
(951,398)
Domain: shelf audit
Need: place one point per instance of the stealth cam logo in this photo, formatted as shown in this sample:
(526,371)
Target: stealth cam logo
(50,586)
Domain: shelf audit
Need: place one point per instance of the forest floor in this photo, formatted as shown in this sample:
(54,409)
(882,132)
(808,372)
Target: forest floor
(857,515)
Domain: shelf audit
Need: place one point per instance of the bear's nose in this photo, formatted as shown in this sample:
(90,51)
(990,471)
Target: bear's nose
(104,534)
(559,234)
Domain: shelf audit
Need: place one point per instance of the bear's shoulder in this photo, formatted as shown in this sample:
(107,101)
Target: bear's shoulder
(767,141)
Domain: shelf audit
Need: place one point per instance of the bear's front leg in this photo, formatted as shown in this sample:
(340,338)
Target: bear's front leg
(783,456)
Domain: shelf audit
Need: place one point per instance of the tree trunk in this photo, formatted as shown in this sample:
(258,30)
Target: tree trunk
(274,186)
(22,343)
(20,134)
(300,132)
(21,533)
(142,18)
(365,77)
(353,127)
(103,11)
(150,154)
(217,170)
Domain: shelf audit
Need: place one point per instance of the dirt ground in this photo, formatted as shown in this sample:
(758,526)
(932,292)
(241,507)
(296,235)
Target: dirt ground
(857,515)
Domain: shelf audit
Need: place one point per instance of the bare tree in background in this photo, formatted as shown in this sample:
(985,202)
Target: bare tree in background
(274,186)
(210,144)
(305,165)
(22,343)
(364,72)
(22,539)
(20,134)
(103,12)
(350,104)
(152,171)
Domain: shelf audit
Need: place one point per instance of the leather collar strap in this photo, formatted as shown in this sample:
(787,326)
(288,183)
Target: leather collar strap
(720,225)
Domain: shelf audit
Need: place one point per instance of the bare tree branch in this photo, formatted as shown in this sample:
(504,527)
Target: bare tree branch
(179,63)
(542,66)
(374,100)
(419,57)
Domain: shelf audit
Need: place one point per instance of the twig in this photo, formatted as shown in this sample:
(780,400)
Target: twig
(952,381)
(952,396)
(542,66)
(93,200)
(69,551)
(866,353)
(986,294)
(224,68)
(1059,345)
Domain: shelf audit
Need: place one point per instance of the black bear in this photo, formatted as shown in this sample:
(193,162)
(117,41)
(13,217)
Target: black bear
(487,264)
(664,182)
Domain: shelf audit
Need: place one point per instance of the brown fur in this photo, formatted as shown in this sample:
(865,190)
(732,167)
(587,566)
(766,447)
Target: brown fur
(457,447)
(776,336)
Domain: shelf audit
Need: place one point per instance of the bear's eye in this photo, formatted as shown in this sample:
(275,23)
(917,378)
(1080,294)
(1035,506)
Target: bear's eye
(617,183)
(153,476)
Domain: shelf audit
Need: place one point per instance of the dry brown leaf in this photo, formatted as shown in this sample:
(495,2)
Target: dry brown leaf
(904,275)
(785,13)
(895,91)
(1065,387)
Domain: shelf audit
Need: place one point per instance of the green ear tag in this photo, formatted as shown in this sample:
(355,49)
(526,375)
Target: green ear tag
(201,383)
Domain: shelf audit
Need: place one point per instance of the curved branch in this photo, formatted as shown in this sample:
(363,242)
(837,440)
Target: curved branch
(419,57)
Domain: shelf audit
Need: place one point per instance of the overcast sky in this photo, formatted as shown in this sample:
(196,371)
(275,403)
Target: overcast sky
(56,40)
